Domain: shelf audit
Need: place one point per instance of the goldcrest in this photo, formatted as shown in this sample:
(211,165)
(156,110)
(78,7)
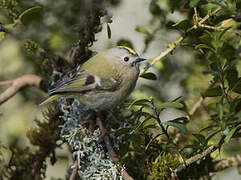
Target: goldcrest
(102,82)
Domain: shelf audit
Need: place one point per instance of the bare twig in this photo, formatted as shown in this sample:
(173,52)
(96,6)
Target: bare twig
(196,106)
(17,84)
(109,146)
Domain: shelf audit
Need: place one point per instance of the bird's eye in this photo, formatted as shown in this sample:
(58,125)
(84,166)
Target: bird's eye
(126,58)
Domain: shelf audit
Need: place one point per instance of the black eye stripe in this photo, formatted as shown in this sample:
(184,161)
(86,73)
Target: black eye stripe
(126,58)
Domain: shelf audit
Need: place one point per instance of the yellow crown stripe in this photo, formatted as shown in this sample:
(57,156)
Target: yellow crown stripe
(128,49)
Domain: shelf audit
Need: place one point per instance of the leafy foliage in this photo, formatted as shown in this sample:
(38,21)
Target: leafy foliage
(149,144)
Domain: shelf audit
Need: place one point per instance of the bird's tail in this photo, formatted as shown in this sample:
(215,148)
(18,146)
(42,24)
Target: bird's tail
(48,99)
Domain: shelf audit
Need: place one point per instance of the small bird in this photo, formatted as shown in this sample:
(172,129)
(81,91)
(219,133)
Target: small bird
(102,82)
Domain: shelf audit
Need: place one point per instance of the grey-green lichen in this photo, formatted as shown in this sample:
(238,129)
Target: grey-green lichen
(94,162)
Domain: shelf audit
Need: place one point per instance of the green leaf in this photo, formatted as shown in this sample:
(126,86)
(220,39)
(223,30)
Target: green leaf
(200,138)
(213,92)
(142,29)
(171,105)
(182,25)
(214,73)
(123,131)
(230,135)
(176,99)
(177,124)
(212,134)
(193,3)
(227,50)
(149,75)
(223,32)
(237,87)
(30,14)
(154,8)
(108,31)
(143,122)
(235,106)
(232,76)
(140,102)
(147,146)
(220,110)
(204,46)
(150,123)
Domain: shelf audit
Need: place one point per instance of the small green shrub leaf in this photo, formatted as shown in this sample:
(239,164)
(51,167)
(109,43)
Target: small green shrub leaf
(213,92)
(171,105)
(149,75)
(177,124)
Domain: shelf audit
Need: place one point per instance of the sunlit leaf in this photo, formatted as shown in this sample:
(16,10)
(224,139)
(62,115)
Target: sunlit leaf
(177,124)
(223,32)
(212,134)
(140,102)
(182,25)
(171,105)
(230,134)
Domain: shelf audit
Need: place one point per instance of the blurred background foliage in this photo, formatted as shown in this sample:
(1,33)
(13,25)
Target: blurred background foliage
(161,132)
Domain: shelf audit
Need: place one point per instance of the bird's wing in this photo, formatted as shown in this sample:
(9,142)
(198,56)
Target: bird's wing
(83,81)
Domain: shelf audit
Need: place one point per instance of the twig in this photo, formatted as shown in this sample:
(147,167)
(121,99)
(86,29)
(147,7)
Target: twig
(109,146)
(17,84)
(158,119)
(178,41)
(3,29)
(199,156)
(226,163)
(75,171)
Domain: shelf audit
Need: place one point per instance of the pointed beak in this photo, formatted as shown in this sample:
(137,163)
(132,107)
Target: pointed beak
(140,60)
